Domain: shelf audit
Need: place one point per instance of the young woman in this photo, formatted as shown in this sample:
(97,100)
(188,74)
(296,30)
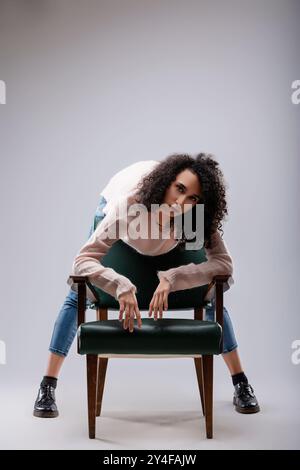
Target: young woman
(179,182)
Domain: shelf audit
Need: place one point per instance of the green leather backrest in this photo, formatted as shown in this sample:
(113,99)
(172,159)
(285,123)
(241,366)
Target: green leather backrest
(142,271)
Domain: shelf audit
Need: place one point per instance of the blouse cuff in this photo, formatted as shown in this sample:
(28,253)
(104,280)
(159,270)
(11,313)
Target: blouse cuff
(169,275)
(122,288)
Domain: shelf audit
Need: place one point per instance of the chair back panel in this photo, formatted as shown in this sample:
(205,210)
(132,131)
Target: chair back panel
(142,271)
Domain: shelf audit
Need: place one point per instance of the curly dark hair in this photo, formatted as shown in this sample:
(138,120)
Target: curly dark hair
(152,188)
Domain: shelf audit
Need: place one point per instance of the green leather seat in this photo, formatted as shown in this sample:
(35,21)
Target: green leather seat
(165,336)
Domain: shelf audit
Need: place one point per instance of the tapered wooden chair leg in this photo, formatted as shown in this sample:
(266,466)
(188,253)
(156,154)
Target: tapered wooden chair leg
(102,314)
(102,366)
(91,363)
(198,315)
(199,372)
(208,363)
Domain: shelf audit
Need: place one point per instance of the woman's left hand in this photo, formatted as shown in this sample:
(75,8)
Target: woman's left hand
(159,300)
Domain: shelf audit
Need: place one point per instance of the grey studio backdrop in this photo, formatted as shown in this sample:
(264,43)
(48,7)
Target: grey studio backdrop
(93,86)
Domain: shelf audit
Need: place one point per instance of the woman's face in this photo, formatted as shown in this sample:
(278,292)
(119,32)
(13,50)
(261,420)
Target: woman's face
(184,190)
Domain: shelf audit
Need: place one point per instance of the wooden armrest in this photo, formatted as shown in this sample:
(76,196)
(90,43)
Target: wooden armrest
(221,278)
(79,278)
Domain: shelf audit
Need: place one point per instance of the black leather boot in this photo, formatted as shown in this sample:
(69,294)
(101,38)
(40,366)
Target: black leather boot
(45,406)
(244,399)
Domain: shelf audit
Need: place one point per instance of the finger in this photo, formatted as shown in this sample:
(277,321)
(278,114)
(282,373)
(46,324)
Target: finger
(127,313)
(165,301)
(156,306)
(151,307)
(138,316)
(121,310)
(129,316)
(160,305)
(131,319)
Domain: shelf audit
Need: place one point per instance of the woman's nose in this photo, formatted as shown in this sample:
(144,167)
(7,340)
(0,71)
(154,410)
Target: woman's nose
(180,200)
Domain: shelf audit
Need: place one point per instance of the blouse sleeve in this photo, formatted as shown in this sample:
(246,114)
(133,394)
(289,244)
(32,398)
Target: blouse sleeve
(88,260)
(192,275)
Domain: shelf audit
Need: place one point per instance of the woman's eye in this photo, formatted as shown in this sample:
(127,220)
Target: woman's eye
(180,188)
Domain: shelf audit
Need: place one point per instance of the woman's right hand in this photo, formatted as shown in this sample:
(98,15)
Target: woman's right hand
(128,304)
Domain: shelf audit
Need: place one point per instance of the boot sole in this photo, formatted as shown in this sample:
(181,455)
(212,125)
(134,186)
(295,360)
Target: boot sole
(45,414)
(246,411)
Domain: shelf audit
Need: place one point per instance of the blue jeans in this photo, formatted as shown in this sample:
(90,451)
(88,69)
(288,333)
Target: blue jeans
(65,327)
(229,339)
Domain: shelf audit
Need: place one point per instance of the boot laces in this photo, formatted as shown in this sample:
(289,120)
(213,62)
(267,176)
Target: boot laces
(246,389)
(47,396)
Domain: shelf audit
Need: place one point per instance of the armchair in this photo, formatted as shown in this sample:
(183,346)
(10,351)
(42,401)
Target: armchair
(105,338)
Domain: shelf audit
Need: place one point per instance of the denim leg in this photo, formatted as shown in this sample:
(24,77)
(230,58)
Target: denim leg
(65,327)
(229,339)
(99,215)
